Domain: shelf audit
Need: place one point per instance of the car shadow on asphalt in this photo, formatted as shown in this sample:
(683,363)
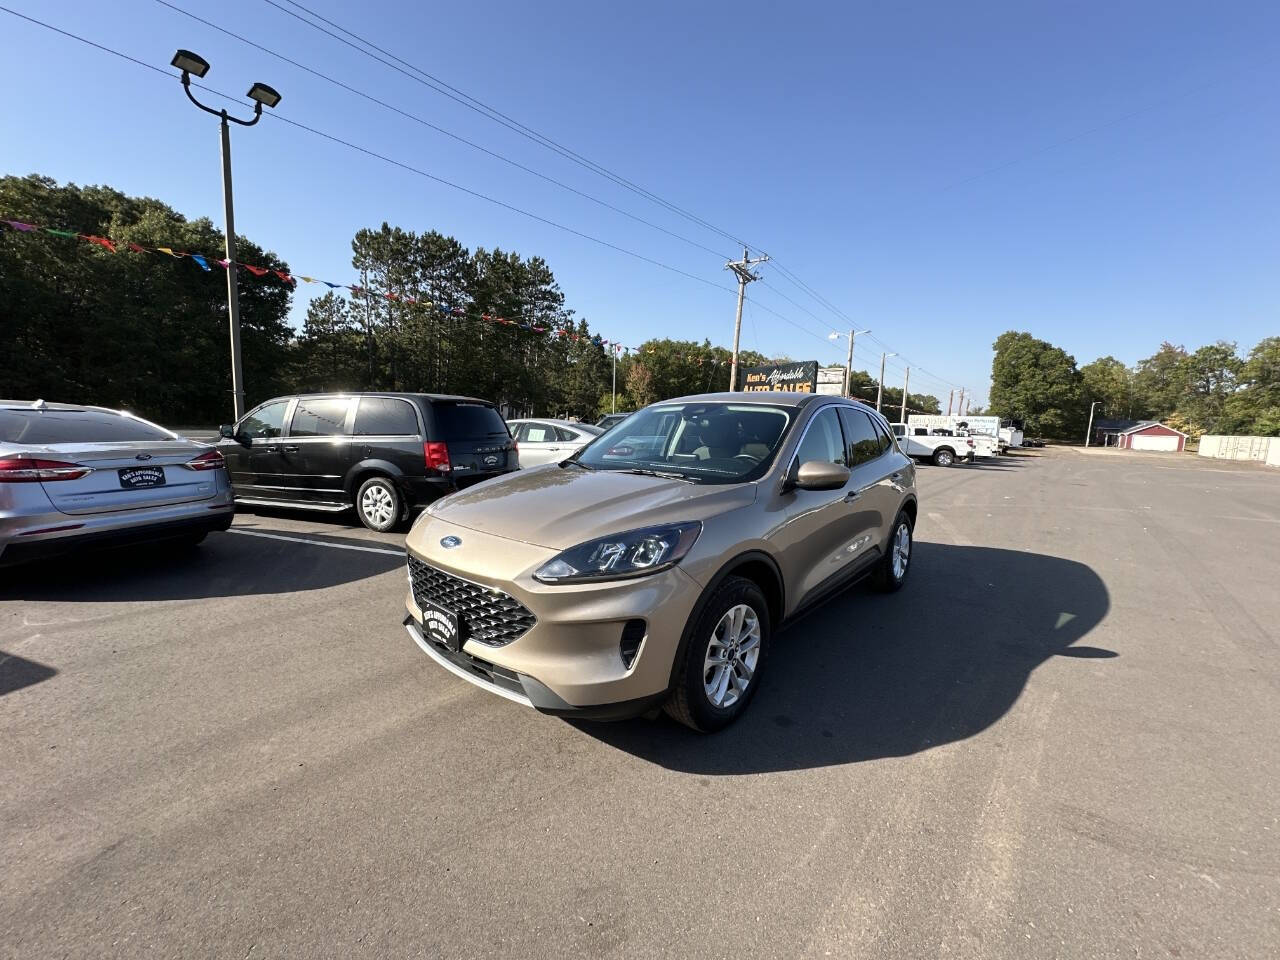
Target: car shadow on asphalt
(868,676)
(17,672)
(225,565)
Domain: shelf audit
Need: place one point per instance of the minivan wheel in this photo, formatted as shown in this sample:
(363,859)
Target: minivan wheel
(378,504)
(891,571)
(725,650)
(944,457)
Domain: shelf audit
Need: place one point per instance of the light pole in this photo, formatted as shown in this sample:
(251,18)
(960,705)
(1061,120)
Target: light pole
(905,383)
(880,390)
(262,96)
(848,364)
(1088,432)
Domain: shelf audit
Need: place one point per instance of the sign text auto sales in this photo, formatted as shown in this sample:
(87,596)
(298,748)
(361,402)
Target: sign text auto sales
(801,377)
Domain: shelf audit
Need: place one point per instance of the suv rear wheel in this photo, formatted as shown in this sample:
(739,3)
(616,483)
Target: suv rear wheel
(726,648)
(379,504)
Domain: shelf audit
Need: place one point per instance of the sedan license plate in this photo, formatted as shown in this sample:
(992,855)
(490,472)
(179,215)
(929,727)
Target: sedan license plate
(138,478)
(441,625)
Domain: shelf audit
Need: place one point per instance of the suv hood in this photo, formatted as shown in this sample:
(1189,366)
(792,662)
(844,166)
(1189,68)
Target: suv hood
(558,507)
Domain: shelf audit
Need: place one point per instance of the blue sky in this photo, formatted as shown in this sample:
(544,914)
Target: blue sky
(1101,174)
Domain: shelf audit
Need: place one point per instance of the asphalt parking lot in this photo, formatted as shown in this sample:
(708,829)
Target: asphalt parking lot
(1061,739)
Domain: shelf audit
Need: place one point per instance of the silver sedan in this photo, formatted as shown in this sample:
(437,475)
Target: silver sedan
(550,441)
(73,475)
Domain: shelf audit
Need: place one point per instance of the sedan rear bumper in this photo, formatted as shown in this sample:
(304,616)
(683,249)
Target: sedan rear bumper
(20,549)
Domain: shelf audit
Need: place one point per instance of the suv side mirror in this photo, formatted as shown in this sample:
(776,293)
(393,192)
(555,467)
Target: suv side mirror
(820,475)
(227,431)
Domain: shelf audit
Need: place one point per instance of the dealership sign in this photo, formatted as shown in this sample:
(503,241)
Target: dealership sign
(799,377)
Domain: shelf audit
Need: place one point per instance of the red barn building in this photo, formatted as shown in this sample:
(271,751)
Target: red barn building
(1152,436)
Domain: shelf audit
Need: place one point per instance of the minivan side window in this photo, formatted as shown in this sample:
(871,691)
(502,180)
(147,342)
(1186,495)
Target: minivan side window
(385,417)
(823,440)
(264,423)
(862,437)
(320,418)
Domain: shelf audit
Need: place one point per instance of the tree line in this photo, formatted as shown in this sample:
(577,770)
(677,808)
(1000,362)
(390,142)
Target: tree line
(148,333)
(1212,389)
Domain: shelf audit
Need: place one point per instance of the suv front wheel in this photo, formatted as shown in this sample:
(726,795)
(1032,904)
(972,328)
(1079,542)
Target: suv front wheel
(379,504)
(727,644)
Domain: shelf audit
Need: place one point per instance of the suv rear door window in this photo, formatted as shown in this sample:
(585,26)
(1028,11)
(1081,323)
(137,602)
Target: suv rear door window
(74,426)
(863,439)
(385,417)
(539,433)
(320,418)
(467,421)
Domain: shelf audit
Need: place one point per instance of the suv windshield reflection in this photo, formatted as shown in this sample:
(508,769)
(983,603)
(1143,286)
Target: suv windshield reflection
(699,442)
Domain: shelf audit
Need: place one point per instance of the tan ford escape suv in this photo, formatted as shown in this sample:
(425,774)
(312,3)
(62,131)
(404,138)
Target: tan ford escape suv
(652,567)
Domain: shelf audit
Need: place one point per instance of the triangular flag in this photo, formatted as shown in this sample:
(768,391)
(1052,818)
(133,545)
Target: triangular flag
(24,227)
(204,264)
(60,233)
(283,276)
(133,247)
(102,242)
(256,271)
(307,279)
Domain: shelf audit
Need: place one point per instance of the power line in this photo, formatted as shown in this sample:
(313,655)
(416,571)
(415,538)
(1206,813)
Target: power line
(441,130)
(417,74)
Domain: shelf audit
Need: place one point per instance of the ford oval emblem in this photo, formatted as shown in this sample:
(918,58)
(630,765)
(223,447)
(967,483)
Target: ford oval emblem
(143,456)
(450,542)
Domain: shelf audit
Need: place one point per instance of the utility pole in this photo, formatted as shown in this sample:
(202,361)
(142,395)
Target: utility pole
(950,397)
(905,382)
(848,364)
(368,324)
(1088,432)
(880,389)
(959,404)
(613,406)
(742,268)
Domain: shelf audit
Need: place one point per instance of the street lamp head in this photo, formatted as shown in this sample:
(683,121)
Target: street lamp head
(833,336)
(264,95)
(189,62)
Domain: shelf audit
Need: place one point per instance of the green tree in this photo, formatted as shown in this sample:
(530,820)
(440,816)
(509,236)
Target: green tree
(1038,383)
(1160,382)
(1209,376)
(142,331)
(1255,407)
(1109,381)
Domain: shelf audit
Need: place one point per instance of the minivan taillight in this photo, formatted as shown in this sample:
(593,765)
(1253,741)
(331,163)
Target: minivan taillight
(437,455)
(29,470)
(212,460)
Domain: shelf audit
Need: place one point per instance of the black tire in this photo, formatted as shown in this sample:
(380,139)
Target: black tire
(379,504)
(886,577)
(689,702)
(944,457)
(188,541)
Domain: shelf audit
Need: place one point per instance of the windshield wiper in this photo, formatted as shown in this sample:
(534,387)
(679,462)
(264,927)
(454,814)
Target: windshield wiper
(641,471)
(574,463)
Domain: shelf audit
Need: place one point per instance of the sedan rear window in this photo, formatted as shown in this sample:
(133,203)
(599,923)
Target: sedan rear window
(468,421)
(74,426)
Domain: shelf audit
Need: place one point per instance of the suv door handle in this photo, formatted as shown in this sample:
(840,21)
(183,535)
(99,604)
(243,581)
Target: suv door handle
(852,495)
(272,448)
(294,448)
(554,449)
(896,476)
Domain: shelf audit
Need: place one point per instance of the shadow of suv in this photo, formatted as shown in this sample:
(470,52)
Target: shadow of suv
(380,453)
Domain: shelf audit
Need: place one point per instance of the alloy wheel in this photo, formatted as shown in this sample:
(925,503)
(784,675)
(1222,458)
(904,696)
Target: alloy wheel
(732,655)
(377,505)
(901,551)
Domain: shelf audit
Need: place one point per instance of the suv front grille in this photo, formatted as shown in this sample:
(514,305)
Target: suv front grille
(486,615)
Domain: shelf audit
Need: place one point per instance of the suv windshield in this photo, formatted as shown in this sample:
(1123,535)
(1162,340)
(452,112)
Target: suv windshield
(699,442)
(468,421)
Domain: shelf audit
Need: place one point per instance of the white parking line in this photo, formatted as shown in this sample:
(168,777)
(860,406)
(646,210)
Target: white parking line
(317,543)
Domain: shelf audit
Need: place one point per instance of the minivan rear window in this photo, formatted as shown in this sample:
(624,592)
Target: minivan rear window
(385,417)
(74,426)
(468,421)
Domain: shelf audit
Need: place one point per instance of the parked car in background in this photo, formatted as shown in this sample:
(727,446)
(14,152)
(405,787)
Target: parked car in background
(941,449)
(73,476)
(548,441)
(381,453)
(609,584)
(611,420)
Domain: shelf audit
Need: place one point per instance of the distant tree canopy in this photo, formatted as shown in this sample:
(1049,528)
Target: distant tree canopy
(1209,390)
(149,334)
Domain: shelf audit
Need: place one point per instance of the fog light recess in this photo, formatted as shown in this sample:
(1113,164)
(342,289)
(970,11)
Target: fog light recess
(633,632)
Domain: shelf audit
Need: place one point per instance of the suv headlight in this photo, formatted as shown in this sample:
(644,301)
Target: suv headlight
(635,553)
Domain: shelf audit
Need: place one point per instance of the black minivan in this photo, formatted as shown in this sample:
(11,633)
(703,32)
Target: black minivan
(379,452)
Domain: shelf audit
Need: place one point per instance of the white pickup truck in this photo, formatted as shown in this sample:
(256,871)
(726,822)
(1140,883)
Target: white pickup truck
(944,450)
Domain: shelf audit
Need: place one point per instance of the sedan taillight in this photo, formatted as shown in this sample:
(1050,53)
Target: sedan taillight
(29,470)
(208,461)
